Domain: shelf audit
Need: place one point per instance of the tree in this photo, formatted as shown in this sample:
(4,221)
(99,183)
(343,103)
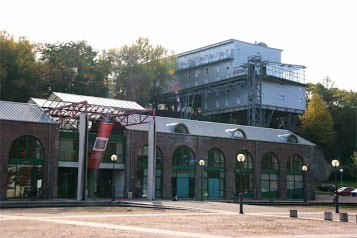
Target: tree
(325,89)
(342,105)
(316,122)
(18,68)
(74,67)
(140,71)
(352,168)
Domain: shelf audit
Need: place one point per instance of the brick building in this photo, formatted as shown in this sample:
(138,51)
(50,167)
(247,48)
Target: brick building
(28,151)
(272,168)
(41,158)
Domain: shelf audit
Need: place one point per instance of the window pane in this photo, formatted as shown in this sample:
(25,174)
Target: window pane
(265,186)
(67,152)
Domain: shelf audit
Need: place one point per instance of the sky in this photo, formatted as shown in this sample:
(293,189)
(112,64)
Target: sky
(320,35)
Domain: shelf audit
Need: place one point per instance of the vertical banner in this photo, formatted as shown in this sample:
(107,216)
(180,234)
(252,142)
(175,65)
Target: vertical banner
(101,142)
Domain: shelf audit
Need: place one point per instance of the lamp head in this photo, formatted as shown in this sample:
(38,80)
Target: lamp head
(304,167)
(201,162)
(335,163)
(240,157)
(114,158)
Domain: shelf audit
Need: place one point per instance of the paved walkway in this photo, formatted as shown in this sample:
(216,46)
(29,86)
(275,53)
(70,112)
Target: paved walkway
(195,209)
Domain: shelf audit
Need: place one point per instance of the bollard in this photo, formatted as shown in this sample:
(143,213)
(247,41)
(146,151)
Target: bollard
(328,216)
(344,217)
(293,213)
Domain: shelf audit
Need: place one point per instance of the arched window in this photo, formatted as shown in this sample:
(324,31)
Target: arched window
(270,176)
(214,174)
(25,167)
(26,147)
(237,133)
(214,158)
(294,177)
(181,128)
(293,139)
(183,173)
(247,170)
(142,172)
(183,156)
(178,128)
(270,162)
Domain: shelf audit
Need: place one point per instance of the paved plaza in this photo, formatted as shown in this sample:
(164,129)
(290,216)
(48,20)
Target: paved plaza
(176,219)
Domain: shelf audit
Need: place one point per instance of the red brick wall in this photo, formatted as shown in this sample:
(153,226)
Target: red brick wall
(47,135)
(167,143)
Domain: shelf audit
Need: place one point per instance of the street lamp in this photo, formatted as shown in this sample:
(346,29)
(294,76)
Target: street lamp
(341,171)
(202,164)
(304,169)
(335,164)
(240,158)
(114,159)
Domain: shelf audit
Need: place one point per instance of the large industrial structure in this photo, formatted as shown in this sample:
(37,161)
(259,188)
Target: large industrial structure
(237,82)
(78,146)
(48,146)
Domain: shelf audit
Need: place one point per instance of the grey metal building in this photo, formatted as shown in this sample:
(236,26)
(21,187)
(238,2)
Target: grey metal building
(239,82)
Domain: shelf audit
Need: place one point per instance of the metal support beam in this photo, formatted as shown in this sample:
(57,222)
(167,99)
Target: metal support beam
(254,83)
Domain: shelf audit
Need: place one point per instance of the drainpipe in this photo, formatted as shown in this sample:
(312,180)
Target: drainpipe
(255,171)
(131,163)
(49,164)
(198,159)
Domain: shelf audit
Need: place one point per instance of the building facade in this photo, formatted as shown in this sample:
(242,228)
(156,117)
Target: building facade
(39,158)
(272,169)
(238,82)
(28,152)
(244,85)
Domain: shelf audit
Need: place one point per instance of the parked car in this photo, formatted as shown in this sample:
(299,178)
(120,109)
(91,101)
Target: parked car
(354,192)
(345,191)
(326,187)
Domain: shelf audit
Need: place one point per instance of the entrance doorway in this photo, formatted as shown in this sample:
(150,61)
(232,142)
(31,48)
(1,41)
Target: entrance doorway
(24,177)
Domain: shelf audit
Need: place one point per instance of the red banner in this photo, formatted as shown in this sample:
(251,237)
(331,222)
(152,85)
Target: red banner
(101,142)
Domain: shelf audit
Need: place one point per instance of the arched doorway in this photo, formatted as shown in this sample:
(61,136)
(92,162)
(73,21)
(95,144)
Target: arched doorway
(183,173)
(294,177)
(142,173)
(25,165)
(214,174)
(247,175)
(270,176)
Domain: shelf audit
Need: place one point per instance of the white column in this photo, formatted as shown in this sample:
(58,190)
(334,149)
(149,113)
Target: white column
(81,154)
(151,160)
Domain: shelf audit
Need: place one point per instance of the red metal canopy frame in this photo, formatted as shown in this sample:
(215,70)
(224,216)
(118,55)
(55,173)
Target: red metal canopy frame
(68,113)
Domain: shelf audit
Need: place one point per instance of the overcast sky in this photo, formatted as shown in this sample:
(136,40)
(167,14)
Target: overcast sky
(318,34)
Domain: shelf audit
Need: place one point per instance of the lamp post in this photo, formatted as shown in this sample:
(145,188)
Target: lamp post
(304,169)
(114,159)
(240,158)
(202,164)
(341,171)
(335,164)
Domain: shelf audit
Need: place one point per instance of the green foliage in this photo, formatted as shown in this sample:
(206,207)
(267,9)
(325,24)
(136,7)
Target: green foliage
(352,168)
(140,70)
(342,105)
(18,68)
(73,67)
(317,123)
